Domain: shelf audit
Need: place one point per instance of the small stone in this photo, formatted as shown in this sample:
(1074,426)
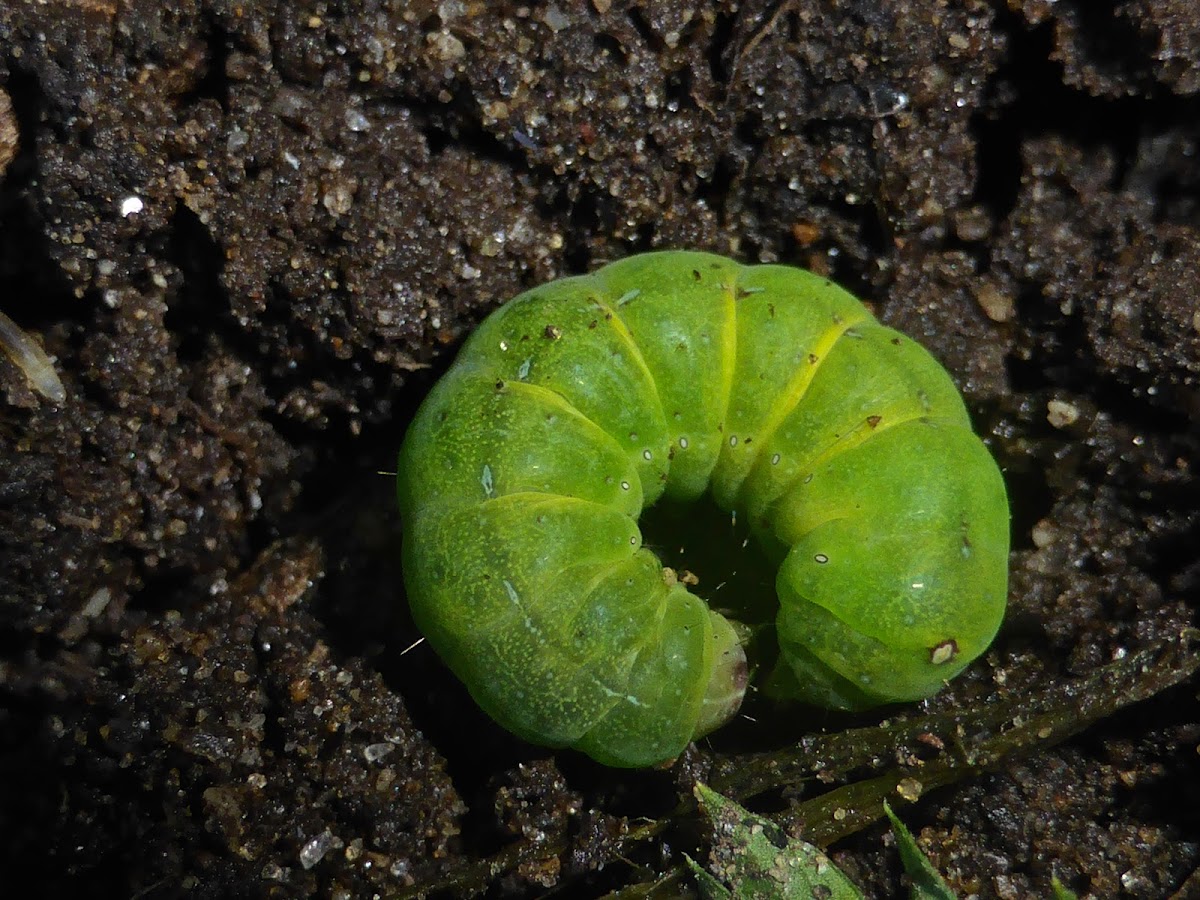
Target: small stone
(1060,414)
(374,752)
(314,851)
(997,305)
(910,789)
(555,19)
(446,46)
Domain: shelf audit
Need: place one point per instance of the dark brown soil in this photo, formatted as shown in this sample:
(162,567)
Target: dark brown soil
(251,234)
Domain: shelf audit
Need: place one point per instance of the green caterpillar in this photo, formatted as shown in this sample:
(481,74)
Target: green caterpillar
(579,403)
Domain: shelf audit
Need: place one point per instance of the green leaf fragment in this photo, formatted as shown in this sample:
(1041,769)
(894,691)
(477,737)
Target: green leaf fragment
(753,858)
(927,884)
(710,888)
(1061,891)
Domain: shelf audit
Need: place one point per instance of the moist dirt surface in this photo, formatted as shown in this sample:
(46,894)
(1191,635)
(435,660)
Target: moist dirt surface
(249,236)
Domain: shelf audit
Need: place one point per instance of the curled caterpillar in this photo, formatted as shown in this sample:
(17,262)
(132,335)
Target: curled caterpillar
(579,403)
